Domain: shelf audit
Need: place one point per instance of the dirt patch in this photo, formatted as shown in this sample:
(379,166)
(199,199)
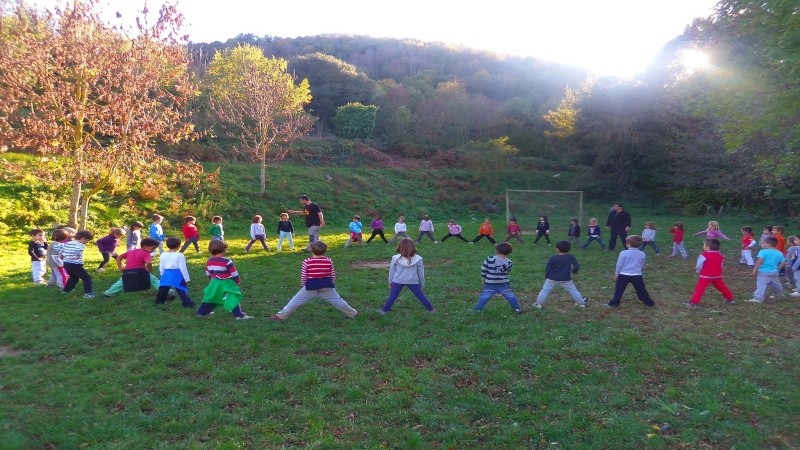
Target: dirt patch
(382,264)
(7,351)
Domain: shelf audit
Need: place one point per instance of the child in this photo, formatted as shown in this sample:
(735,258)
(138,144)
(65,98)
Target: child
(574,232)
(677,231)
(709,266)
(765,233)
(542,230)
(769,262)
(223,289)
(514,231)
(216,231)
(406,270)
(58,274)
(156,232)
(377,229)
(134,238)
(72,257)
(174,274)
(777,233)
(285,231)
(485,231)
(355,228)
(558,272)
(494,272)
(191,235)
(748,242)
(594,233)
(136,260)
(629,270)
(257,233)
(792,254)
(400,229)
(712,232)
(37,249)
(426,229)
(453,230)
(108,246)
(649,237)
(317,278)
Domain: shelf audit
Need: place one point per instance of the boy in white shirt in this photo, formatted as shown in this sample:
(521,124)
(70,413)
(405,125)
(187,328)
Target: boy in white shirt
(174,274)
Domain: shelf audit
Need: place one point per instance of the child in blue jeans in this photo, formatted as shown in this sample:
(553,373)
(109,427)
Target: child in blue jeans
(494,271)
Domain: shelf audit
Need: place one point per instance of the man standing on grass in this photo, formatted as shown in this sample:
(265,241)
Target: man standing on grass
(314,219)
(619,223)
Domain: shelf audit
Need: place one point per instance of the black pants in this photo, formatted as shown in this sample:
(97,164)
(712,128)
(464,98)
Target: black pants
(541,234)
(77,272)
(454,235)
(161,297)
(106,258)
(378,232)
(190,241)
(612,241)
(481,236)
(638,284)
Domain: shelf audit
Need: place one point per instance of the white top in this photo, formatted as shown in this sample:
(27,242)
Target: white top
(400,227)
(257,229)
(173,260)
(648,234)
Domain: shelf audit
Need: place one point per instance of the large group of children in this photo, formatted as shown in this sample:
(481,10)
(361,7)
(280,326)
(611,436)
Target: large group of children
(64,257)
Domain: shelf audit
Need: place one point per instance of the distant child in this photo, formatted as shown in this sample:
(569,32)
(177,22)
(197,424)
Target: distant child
(400,230)
(377,229)
(72,257)
(426,229)
(191,235)
(223,288)
(285,231)
(134,238)
(766,269)
(765,233)
(514,231)
(37,249)
(795,268)
(355,227)
(453,230)
(257,233)
(792,254)
(649,237)
(156,232)
(406,270)
(594,234)
(574,232)
(317,279)
(494,272)
(216,231)
(748,242)
(58,274)
(136,260)
(629,271)
(108,246)
(678,232)
(485,231)
(174,274)
(712,232)
(777,233)
(709,266)
(558,272)
(542,230)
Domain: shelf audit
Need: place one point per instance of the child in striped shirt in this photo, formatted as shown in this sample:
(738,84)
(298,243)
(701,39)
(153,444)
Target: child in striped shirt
(494,271)
(317,277)
(72,257)
(223,289)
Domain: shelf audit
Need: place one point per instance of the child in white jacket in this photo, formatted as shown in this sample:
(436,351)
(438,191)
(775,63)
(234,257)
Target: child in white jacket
(406,270)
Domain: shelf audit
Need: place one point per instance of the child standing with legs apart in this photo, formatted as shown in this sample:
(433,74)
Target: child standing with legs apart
(134,238)
(677,240)
(426,229)
(542,230)
(223,288)
(748,242)
(37,249)
(58,274)
(768,264)
(485,231)
(514,231)
(494,272)
(594,233)
(136,260)
(317,279)
(406,270)
(709,266)
(156,232)
(453,230)
(257,233)
(400,229)
(285,231)
(558,272)
(174,274)
(72,256)
(190,234)
(649,237)
(108,246)
(355,227)
(574,232)
(377,229)
(630,264)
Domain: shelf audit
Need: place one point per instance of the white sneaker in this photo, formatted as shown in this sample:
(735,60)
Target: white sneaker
(244,317)
(101,269)
(537,305)
(755,300)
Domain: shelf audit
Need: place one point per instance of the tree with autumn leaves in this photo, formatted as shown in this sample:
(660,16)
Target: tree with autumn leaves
(97,97)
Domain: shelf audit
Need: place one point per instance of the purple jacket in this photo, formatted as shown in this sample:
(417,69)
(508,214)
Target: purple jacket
(376,224)
(107,244)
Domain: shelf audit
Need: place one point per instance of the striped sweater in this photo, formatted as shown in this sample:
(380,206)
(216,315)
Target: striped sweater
(72,252)
(221,269)
(495,270)
(317,272)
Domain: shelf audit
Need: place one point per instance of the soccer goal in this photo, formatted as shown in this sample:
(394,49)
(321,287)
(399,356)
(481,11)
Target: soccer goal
(560,207)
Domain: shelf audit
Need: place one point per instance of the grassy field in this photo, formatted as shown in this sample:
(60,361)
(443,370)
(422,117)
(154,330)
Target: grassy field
(124,373)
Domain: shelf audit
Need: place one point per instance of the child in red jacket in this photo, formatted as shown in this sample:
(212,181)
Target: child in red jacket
(709,266)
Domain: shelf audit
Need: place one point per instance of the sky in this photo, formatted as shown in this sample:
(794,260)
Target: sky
(607,37)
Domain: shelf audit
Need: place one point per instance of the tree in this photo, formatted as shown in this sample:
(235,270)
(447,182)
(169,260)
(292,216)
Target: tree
(258,101)
(74,87)
(355,120)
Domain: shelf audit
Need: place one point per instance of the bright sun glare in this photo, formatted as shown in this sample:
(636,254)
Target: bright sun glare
(694,60)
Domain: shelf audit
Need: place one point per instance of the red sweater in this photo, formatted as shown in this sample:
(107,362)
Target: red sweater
(712,267)
(317,273)
(677,235)
(190,231)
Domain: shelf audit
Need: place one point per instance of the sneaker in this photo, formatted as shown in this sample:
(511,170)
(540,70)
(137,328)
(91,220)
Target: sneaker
(609,305)
(471,242)
(244,317)
(41,283)
(276,318)
(586,301)
(89,295)
(433,311)
(101,269)
(352,317)
(207,315)
(65,292)
(517,311)
(692,305)
(755,300)
(537,305)
(794,294)
(435,242)
(382,312)
(580,305)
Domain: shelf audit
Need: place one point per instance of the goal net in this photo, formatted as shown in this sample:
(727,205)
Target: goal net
(560,207)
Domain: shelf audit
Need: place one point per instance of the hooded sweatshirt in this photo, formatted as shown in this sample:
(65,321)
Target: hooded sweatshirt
(403,270)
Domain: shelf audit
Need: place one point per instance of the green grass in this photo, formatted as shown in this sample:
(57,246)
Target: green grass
(123,373)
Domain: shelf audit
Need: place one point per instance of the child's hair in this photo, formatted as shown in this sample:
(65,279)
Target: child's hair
(172,243)
(650,225)
(284,215)
(713,244)
(678,225)
(116,231)
(748,230)
(378,215)
(318,248)
(406,248)
(60,234)
(792,238)
(136,224)
(779,228)
(713,224)
(634,241)
(574,220)
(563,246)
(401,218)
(593,220)
(216,247)
(36,231)
(258,219)
(486,218)
(304,197)
(425,217)
(512,220)
(544,218)
(357,217)
(216,219)
(451,221)
(504,248)
(156,217)
(771,241)
(768,228)
(84,234)
(188,219)
(148,242)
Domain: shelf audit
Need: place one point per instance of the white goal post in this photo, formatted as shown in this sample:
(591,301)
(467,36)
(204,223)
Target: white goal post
(560,207)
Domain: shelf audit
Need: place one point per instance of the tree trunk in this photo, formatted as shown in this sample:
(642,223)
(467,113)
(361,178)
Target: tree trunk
(263,188)
(74,201)
(83,218)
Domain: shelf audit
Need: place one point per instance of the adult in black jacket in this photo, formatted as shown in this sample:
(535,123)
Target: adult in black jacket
(619,222)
